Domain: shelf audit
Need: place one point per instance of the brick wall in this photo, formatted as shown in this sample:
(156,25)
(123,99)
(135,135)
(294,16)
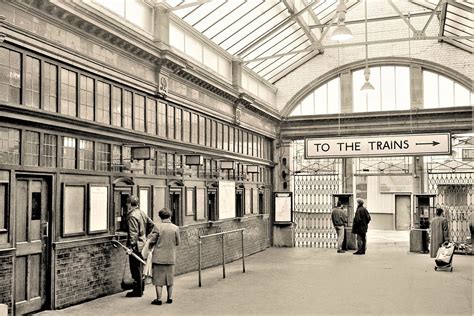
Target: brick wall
(6,281)
(430,50)
(255,240)
(88,271)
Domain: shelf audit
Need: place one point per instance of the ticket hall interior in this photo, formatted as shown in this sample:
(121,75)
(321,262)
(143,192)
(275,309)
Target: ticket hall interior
(250,121)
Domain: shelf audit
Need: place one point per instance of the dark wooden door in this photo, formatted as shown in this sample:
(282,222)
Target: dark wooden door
(31,261)
(175,206)
(211,205)
(120,208)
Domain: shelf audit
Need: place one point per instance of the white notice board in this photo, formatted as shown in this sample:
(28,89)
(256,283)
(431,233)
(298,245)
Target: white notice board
(98,206)
(226,196)
(283,207)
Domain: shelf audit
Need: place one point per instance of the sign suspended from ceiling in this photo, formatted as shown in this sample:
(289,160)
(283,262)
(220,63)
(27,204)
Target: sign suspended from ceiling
(379,146)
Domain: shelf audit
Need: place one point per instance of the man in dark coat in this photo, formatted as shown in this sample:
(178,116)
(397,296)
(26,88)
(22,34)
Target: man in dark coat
(439,232)
(139,226)
(360,226)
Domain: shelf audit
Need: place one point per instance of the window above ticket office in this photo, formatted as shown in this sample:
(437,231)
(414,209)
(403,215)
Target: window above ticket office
(137,12)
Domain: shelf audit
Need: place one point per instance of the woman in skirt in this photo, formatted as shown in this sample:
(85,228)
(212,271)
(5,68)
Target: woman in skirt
(164,238)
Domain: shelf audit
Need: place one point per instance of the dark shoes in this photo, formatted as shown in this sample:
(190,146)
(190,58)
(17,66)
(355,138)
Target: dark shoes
(159,302)
(134,294)
(341,251)
(359,253)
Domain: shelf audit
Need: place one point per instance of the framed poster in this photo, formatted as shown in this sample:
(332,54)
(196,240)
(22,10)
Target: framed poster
(98,208)
(283,207)
(226,196)
(73,212)
(201,206)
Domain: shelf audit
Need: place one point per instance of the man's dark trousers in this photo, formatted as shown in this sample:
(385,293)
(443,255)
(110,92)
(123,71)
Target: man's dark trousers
(361,242)
(136,270)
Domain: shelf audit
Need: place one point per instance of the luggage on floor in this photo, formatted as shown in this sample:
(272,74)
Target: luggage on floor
(444,256)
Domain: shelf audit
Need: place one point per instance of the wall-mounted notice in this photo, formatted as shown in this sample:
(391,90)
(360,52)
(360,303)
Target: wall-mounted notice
(226,196)
(283,207)
(98,203)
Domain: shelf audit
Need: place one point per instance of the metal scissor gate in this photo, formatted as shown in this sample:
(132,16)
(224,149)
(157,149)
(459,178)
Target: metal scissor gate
(312,209)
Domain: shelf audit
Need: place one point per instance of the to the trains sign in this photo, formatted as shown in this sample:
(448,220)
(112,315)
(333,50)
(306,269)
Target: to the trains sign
(376,146)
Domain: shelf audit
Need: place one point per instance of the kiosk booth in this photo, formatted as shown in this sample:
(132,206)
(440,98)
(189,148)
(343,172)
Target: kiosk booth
(423,211)
(347,202)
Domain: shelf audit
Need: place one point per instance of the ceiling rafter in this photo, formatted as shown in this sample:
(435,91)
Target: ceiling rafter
(188,5)
(273,30)
(315,43)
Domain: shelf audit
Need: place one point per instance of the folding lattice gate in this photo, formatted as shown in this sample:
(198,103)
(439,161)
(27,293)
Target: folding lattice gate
(455,194)
(313,205)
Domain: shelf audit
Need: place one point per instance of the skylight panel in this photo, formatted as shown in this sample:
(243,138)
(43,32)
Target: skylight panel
(270,42)
(237,25)
(202,11)
(229,21)
(261,26)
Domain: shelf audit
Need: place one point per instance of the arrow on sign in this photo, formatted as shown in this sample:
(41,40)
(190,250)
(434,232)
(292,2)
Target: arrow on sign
(434,143)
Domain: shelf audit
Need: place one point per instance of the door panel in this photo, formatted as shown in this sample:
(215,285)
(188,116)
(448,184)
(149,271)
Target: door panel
(402,212)
(175,206)
(32,200)
(120,208)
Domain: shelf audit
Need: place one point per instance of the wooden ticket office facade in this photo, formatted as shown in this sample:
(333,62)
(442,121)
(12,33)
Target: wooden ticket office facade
(68,126)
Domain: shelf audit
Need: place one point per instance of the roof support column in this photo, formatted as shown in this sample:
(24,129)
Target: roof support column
(416,87)
(237,73)
(346,92)
(161,26)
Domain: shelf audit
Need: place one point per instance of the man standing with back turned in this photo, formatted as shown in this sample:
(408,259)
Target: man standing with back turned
(139,226)
(339,220)
(360,226)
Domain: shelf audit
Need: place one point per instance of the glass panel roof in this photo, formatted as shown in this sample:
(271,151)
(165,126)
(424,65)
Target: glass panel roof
(273,37)
(459,22)
(267,35)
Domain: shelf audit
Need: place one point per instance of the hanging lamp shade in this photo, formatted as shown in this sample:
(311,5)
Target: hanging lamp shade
(367,86)
(341,33)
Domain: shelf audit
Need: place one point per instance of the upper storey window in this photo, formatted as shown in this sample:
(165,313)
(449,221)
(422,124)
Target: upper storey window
(440,92)
(135,11)
(392,89)
(324,100)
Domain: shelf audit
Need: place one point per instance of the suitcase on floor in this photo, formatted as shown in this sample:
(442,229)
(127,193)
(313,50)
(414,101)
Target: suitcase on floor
(444,256)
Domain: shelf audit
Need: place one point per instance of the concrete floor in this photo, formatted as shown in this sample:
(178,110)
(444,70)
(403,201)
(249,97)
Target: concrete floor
(289,281)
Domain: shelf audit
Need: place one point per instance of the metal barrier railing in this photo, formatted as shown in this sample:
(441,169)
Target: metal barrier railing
(241,230)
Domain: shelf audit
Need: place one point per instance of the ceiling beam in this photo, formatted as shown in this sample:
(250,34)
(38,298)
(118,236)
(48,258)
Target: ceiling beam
(187,5)
(442,21)
(432,15)
(380,19)
(279,55)
(454,120)
(414,38)
(315,43)
(272,31)
(415,31)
